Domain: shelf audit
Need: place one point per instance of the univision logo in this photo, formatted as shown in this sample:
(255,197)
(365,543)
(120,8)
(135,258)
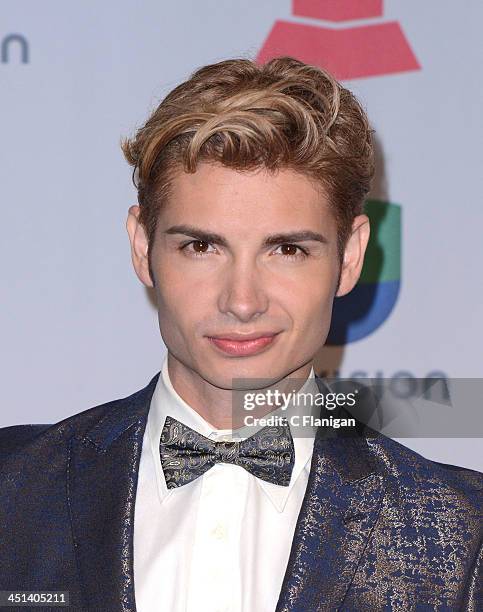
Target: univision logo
(368,305)
(350,52)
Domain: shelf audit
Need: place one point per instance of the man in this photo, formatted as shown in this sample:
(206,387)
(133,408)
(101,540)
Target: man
(251,182)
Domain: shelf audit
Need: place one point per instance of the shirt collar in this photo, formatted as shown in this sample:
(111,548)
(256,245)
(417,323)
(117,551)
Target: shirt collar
(167,402)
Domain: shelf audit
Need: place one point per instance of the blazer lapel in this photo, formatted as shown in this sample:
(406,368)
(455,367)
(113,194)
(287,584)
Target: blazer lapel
(101,489)
(341,504)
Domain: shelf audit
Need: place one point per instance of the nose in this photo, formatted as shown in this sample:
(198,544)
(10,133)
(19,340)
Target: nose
(243,294)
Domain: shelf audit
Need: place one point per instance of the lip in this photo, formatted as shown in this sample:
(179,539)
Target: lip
(243,345)
(240,337)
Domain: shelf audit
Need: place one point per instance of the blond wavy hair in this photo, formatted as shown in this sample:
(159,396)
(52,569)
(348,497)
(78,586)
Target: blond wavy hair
(283,114)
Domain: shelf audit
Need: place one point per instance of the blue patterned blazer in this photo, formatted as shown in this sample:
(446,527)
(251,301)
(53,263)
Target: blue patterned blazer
(380,528)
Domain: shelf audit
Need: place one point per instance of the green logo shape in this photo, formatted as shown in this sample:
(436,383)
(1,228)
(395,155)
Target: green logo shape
(383,255)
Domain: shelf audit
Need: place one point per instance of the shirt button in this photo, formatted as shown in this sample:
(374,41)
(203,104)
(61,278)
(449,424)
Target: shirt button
(219,532)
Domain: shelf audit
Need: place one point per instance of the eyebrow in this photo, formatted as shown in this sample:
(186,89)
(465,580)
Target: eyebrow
(271,240)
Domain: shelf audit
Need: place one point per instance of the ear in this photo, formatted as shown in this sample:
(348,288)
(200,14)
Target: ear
(354,255)
(139,246)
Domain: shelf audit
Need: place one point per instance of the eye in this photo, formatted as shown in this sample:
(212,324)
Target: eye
(198,248)
(292,251)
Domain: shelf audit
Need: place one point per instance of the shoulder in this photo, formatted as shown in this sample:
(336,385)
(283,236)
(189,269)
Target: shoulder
(421,479)
(16,436)
(20,439)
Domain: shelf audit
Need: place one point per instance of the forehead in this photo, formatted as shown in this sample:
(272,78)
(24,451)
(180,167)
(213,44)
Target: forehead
(215,194)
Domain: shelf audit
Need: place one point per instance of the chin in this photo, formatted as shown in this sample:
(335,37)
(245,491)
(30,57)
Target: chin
(249,373)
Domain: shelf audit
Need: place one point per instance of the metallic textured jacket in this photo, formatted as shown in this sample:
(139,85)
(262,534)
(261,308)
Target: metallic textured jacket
(381,528)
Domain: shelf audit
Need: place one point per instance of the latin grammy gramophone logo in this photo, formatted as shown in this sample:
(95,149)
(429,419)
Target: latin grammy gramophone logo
(319,35)
(382,47)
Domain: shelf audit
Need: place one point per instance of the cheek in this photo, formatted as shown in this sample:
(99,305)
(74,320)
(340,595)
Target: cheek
(174,287)
(313,328)
(314,311)
(311,312)
(311,295)
(181,306)
(177,320)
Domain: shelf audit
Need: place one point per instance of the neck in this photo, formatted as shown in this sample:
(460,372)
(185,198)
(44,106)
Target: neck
(213,404)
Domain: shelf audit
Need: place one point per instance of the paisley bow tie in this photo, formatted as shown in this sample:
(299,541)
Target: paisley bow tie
(185,454)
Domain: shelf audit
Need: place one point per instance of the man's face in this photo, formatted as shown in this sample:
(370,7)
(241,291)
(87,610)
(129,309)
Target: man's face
(246,268)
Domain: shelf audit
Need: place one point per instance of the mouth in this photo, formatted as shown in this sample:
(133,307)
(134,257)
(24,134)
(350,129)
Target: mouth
(240,345)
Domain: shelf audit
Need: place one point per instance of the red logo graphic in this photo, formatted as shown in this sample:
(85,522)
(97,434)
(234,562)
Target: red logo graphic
(350,52)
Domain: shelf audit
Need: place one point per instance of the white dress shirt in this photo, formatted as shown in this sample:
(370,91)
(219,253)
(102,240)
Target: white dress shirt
(220,543)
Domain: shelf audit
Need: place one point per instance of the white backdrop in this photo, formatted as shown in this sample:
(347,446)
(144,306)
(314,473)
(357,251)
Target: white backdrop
(77,326)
